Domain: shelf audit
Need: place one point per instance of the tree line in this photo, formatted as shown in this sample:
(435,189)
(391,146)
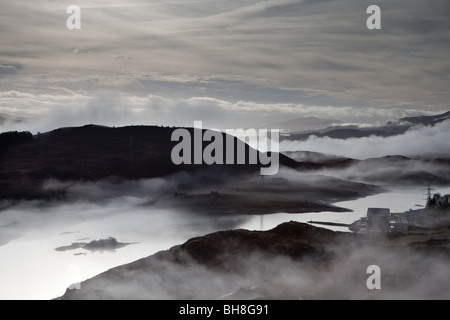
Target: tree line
(12,138)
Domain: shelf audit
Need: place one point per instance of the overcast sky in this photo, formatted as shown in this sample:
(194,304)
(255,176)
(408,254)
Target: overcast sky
(232,62)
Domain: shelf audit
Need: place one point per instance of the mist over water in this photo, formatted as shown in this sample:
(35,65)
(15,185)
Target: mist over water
(30,267)
(30,231)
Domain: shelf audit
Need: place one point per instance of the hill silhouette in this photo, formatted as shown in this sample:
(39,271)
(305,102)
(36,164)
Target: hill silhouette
(95,152)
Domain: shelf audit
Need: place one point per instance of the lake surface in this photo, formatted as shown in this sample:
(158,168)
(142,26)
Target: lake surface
(30,268)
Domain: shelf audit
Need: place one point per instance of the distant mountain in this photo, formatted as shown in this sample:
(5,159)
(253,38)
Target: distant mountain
(426,120)
(387,170)
(303,124)
(309,156)
(392,128)
(353,132)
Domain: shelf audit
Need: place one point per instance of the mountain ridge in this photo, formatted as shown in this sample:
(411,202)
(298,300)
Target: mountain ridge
(391,128)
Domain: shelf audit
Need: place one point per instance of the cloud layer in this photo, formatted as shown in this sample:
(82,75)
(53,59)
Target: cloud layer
(44,112)
(416,141)
(314,53)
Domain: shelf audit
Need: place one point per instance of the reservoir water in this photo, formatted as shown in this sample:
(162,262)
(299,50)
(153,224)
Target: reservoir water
(31,268)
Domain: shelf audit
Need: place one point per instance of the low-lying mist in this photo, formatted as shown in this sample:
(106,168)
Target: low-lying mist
(90,211)
(122,204)
(204,269)
(417,141)
(395,171)
(125,210)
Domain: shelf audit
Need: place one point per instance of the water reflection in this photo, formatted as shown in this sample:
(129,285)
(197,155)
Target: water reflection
(30,268)
(398,200)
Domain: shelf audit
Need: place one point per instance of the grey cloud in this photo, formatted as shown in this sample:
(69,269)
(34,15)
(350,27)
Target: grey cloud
(285,50)
(9,68)
(330,65)
(68,108)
